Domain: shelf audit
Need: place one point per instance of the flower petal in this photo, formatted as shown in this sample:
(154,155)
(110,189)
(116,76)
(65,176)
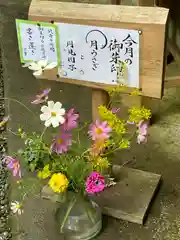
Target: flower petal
(46,91)
(14,210)
(45,116)
(42,63)
(34,66)
(38,72)
(51,105)
(55,122)
(19,212)
(51,65)
(57,105)
(27,64)
(37,101)
(61,119)
(48,122)
(44,109)
(60,111)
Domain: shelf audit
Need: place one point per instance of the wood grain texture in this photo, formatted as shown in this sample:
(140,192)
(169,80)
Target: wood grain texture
(151,21)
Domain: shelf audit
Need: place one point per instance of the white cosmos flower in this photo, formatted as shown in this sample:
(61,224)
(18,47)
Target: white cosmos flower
(40,66)
(16,208)
(52,114)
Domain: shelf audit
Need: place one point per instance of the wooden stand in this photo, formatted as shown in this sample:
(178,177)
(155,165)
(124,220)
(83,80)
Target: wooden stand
(131,197)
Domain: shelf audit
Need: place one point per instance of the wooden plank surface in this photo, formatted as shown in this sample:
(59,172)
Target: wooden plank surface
(83,11)
(131,197)
(99,97)
(151,21)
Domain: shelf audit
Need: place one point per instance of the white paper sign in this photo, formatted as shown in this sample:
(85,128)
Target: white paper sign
(37,41)
(99,54)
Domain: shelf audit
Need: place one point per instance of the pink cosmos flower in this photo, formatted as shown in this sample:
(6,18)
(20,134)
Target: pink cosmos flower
(99,130)
(42,97)
(70,120)
(141,139)
(13,164)
(143,130)
(61,143)
(95,183)
(115,110)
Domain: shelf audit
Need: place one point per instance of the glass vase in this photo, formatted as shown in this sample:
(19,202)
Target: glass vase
(78,218)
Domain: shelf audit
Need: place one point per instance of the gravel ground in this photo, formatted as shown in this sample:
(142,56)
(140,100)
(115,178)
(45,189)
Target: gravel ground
(5,232)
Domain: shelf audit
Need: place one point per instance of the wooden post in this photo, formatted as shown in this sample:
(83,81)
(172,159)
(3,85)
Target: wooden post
(99,97)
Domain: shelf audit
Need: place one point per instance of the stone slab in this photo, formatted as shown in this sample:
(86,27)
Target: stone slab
(128,200)
(131,197)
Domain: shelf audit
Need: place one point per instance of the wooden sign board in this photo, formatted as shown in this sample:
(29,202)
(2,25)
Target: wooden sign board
(140,29)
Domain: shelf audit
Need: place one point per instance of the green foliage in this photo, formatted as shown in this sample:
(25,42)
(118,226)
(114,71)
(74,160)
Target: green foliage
(35,153)
(75,167)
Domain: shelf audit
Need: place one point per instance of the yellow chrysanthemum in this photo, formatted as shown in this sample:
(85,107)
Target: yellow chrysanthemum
(137,114)
(58,182)
(119,88)
(45,173)
(136,92)
(100,163)
(124,143)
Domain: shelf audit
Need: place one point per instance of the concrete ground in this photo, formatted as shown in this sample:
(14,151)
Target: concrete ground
(161,155)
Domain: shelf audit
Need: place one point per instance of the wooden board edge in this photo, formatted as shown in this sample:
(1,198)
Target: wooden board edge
(116,13)
(153,197)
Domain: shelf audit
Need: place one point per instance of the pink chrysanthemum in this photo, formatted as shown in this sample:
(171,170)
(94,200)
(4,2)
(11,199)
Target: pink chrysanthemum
(142,132)
(61,143)
(13,164)
(95,183)
(99,130)
(70,120)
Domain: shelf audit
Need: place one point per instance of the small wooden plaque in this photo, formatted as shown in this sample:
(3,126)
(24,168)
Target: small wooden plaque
(130,198)
(150,21)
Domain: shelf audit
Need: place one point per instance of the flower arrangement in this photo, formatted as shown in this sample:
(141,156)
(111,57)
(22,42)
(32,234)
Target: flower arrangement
(66,163)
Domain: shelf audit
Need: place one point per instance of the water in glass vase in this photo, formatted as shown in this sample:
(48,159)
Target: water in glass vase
(78,218)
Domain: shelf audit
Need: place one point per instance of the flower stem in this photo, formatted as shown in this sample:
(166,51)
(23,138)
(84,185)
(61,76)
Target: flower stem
(8,129)
(114,150)
(67,213)
(43,132)
(81,128)
(14,100)
(19,230)
(89,214)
